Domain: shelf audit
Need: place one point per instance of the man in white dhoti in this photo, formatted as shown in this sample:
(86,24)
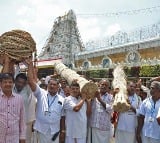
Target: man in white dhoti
(127,121)
(76,109)
(149,117)
(21,87)
(49,117)
(100,124)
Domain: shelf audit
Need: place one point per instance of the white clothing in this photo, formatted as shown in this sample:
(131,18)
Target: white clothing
(47,138)
(75,140)
(149,140)
(34,138)
(76,122)
(48,111)
(124,137)
(146,90)
(112,140)
(128,120)
(158,114)
(47,79)
(29,102)
(151,127)
(98,136)
(29,106)
(29,99)
(61,92)
(112,130)
(29,132)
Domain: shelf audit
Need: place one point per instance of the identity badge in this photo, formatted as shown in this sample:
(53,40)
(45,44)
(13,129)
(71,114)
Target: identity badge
(47,113)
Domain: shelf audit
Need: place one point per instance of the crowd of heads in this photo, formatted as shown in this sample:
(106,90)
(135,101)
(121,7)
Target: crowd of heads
(54,84)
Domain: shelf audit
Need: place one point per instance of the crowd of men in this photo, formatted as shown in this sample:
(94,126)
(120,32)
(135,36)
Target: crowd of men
(51,111)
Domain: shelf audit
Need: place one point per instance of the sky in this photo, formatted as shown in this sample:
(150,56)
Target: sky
(37,16)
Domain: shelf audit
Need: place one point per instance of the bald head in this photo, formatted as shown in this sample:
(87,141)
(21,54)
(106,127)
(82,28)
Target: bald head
(104,86)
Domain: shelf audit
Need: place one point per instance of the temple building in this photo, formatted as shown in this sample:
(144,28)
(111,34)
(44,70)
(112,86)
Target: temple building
(136,48)
(64,40)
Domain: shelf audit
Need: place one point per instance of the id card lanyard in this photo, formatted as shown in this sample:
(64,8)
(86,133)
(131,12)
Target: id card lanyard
(132,99)
(152,110)
(50,103)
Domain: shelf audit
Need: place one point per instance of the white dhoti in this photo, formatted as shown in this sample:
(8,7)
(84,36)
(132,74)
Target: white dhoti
(112,139)
(34,137)
(149,140)
(46,138)
(29,132)
(96,135)
(75,140)
(124,137)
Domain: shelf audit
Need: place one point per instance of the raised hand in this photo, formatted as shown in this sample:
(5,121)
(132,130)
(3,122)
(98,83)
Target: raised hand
(97,95)
(28,61)
(84,95)
(8,64)
(139,83)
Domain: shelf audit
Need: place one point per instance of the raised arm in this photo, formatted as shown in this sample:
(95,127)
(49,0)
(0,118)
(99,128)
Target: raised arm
(144,88)
(79,105)
(70,105)
(35,70)
(155,78)
(31,79)
(8,65)
(89,109)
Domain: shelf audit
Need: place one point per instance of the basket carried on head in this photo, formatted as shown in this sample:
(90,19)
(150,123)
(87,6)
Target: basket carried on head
(17,44)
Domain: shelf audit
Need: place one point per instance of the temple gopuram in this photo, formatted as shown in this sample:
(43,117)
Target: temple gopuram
(131,49)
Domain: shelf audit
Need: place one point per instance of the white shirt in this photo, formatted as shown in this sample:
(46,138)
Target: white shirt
(61,92)
(128,120)
(151,128)
(48,111)
(145,89)
(29,102)
(76,122)
(47,79)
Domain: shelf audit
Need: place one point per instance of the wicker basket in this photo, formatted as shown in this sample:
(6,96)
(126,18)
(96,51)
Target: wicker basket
(17,44)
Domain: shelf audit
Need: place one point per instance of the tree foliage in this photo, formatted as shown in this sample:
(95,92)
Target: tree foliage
(143,71)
